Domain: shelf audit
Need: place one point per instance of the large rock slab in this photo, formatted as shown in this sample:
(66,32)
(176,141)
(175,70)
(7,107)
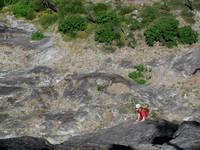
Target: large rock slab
(131,133)
(187,137)
(148,135)
(25,143)
(187,64)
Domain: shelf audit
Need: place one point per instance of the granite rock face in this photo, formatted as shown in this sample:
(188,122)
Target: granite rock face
(187,64)
(148,135)
(41,100)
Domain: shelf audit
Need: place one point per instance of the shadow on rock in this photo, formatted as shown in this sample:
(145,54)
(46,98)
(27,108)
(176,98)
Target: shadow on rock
(119,147)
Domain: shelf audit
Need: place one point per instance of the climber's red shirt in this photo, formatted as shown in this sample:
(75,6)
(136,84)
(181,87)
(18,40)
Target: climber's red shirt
(143,113)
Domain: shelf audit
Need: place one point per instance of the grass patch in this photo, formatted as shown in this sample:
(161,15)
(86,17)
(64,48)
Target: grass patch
(196,4)
(109,49)
(99,7)
(188,16)
(48,20)
(37,36)
(67,7)
(100,88)
(125,9)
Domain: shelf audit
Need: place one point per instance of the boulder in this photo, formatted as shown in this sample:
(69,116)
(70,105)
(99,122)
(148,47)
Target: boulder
(187,137)
(25,143)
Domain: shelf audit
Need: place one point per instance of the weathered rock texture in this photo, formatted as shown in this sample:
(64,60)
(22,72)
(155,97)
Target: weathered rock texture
(148,135)
(40,98)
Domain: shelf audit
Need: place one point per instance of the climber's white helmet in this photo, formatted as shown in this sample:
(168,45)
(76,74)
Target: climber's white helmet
(137,105)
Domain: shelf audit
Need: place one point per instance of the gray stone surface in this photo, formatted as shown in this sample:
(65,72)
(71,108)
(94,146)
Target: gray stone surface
(187,63)
(149,135)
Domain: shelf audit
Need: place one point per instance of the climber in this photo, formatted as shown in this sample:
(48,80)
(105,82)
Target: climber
(142,113)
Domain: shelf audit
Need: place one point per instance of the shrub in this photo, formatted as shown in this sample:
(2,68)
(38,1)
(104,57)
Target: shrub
(8,2)
(187,35)
(107,16)
(135,75)
(140,68)
(23,9)
(120,43)
(140,81)
(100,88)
(99,7)
(37,5)
(72,24)
(152,13)
(148,14)
(37,36)
(106,33)
(125,9)
(48,20)
(2,4)
(165,31)
(135,24)
(70,7)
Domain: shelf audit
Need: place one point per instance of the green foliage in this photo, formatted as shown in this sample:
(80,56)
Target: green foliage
(196,4)
(148,14)
(175,4)
(23,9)
(67,7)
(168,33)
(141,75)
(140,81)
(165,31)
(187,35)
(109,48)
(120,43)
(100,88)
(37,36)
(8,2)
(151,13)
(37,5)
(107,16)
(106,33)
(99,7)
(135,75)
(134,25)
(48,20)
(125,9)
(2,4)
(72,25)
(140,68)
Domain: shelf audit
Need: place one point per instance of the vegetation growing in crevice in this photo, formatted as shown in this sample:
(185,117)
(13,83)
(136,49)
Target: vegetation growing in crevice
(37,36)
(140,76)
